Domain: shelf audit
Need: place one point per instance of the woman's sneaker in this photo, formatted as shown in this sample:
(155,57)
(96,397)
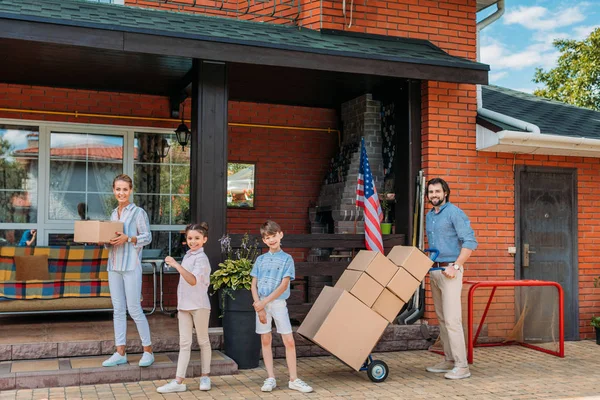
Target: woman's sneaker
(204,383)
(114,360)
(172,387)
(300,386)
(269,385)
(146,360)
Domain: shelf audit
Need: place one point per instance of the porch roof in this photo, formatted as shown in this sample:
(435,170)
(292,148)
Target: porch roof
(60,40)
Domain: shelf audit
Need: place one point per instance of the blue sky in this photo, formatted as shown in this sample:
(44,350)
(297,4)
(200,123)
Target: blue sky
(521,40)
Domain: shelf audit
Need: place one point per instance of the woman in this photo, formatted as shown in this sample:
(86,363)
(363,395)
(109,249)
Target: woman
(125,272)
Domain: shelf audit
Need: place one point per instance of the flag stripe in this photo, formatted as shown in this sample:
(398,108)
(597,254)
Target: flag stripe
(367,199)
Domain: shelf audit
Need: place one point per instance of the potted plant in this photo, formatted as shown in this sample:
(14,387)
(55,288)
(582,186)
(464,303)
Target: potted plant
(596,324)
(386,225)
(233,282)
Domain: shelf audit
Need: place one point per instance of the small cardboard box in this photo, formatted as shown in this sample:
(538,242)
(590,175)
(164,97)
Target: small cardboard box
(403,285)
(411,259)
(375,264)
(342,325)
(388,305)
(360,285)
(96,231)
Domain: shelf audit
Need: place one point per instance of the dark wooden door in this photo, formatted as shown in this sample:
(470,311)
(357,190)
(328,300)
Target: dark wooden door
(546,207)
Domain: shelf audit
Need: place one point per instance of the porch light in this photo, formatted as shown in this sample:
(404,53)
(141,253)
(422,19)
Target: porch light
(163,150)
(182,132)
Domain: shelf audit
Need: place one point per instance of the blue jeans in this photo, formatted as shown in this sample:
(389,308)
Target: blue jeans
(126,294)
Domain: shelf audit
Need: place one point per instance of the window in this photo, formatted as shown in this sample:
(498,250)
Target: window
(162,187)
(19,157)
(240,185)
(52,174)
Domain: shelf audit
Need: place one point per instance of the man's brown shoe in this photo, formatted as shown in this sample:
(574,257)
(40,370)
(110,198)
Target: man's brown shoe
(458,373)
(444,366)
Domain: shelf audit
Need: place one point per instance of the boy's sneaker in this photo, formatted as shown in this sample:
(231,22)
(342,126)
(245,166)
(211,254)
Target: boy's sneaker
(300,386)
(458,373)
(172,387)
(114,360)
(269,385)
(444,366)
(204,383)
(146,360)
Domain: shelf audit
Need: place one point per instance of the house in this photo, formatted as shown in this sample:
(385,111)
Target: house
(288,88)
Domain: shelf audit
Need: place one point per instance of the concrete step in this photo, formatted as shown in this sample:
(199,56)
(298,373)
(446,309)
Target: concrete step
(76,371)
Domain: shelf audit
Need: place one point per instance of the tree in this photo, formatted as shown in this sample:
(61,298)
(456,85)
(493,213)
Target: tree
(576,78)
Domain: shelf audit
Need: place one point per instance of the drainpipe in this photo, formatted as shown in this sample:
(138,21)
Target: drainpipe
(484,112)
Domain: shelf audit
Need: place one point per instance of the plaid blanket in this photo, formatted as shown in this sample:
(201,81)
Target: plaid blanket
(75,271)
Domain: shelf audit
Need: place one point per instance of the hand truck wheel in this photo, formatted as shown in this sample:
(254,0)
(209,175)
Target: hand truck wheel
(378,371)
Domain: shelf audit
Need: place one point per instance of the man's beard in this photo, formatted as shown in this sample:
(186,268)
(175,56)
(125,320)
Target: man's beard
(436,202)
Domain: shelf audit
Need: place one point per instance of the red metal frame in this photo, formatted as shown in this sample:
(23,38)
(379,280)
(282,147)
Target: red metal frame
(472,341)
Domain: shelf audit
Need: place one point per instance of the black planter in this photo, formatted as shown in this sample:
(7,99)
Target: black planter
(597,335)
(240,340)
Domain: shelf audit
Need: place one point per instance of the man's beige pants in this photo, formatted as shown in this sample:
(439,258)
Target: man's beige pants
(187,321)
(446,295)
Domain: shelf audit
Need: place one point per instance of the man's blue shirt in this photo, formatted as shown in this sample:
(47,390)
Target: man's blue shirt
(448,231)
(270,269)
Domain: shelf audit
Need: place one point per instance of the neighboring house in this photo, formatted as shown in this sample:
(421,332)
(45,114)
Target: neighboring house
(248,80)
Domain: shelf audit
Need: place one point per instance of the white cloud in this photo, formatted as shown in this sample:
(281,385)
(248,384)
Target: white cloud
(500,57)
(16,138)
(526,90)
(496,76)
(581,32)
(540,18)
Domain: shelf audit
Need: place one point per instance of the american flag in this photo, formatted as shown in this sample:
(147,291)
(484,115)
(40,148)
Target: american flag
(366,197)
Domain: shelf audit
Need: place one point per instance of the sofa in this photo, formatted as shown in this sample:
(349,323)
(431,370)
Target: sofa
(75,280)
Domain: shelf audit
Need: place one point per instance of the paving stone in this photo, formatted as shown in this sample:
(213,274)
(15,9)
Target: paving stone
(5,352)
(32,351)
(77,349)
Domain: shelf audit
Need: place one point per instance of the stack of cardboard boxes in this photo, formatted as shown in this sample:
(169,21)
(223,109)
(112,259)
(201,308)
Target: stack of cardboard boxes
(348,320)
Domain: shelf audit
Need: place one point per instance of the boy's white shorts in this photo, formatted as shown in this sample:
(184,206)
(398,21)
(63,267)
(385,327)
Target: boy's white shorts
(276,310)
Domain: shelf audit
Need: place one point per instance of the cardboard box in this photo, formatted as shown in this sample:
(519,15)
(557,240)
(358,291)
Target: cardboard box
(411,259)
(403,285)
(375,264)
(360,285)
(342,325)
(96,231)
(388,305)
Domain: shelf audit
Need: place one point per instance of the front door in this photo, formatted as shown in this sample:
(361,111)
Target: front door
(546,243)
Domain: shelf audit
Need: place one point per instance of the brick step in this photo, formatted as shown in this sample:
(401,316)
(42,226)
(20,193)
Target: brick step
(76,371)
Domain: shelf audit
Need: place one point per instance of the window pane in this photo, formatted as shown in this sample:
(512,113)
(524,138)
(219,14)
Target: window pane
(157,208)
(60,239)
(180,210)
(100,206)
(180,179)
(18,173)
(12,237)
(63,205)
(67,176)
(18,207)
(169,242)
(101,176)
(82,169)
(240,185)
(152,178)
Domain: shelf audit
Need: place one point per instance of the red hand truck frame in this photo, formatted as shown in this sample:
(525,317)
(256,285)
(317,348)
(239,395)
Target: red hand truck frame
(471,341)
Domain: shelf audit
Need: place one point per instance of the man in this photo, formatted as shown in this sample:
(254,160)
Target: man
(449,231)
(28,238)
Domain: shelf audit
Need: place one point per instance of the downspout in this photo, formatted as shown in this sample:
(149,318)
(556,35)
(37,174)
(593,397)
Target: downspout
(484,112)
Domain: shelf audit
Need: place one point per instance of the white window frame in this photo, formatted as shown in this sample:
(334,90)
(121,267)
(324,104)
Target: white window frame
(46,226)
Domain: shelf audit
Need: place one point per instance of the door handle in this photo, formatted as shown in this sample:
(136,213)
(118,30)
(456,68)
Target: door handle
(526,253)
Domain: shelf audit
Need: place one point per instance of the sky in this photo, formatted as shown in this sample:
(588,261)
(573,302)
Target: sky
(521,39)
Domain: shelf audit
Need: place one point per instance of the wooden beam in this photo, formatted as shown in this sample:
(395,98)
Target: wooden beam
(208,172)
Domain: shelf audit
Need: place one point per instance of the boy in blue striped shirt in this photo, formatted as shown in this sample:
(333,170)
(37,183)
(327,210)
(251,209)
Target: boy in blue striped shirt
(271,276)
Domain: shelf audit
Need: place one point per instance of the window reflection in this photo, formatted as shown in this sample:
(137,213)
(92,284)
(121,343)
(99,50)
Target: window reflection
(162,184)
(240,185)
(82,168)
(19,148)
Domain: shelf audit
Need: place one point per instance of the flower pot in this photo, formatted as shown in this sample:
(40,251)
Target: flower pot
(386,228)
(240,340)
(597,336)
